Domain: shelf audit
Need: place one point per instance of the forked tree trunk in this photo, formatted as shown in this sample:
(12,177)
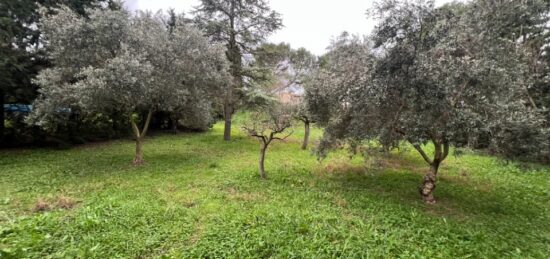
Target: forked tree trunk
(306,135)
(140,136)
(262,160)
(428,184)
(138,159)
(228,112)
(265,140)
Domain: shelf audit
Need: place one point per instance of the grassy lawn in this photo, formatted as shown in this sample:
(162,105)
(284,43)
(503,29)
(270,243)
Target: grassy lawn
(198,196)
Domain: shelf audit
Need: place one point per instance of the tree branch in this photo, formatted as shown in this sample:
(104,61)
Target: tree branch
(422,153)
(134,127)
(285,137)
(146,125)
(445,150)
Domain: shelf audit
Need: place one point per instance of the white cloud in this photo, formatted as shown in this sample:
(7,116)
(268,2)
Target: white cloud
(308,23)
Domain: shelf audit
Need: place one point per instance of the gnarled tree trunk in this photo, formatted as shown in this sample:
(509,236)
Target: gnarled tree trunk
(428,185)
(306,135)
(428,182)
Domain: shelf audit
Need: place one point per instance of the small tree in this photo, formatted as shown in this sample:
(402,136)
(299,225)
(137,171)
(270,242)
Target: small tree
(266,126)
(300,112)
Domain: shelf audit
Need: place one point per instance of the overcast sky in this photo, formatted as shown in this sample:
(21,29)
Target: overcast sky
(307,23)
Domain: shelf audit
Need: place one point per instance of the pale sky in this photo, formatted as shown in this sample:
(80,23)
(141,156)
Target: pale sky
(307,23)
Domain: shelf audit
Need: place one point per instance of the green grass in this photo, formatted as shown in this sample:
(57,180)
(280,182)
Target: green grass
(198,196)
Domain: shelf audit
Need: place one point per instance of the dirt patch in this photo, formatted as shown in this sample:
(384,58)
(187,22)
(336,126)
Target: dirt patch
(233,194)
(343,167)
(166,189)
(189,203)
(340,202)
(64,202)
(41,206)
(59,202)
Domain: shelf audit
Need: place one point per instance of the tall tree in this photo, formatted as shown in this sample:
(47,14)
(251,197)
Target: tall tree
(17,43)
(241,25)
(133,65)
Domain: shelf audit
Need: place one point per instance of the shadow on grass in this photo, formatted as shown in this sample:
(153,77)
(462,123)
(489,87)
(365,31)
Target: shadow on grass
(458,198)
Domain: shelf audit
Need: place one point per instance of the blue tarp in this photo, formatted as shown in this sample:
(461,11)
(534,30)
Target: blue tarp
(18,108)
(26,108)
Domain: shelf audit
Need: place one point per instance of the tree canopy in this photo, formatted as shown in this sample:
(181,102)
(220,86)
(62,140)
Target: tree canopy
(21,55)
(133,65)
(241,25)
(428,75)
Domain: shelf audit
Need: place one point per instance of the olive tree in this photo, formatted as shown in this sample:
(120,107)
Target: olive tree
(268,124)
(301,113)
(445,78)
(343,79)
(133,65)
(435,77)
(527,23)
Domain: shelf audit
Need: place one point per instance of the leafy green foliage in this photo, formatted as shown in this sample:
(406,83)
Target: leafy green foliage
(241,26)
(284,66)
(528,25)
(22,56)
(428,75)
(112,61)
